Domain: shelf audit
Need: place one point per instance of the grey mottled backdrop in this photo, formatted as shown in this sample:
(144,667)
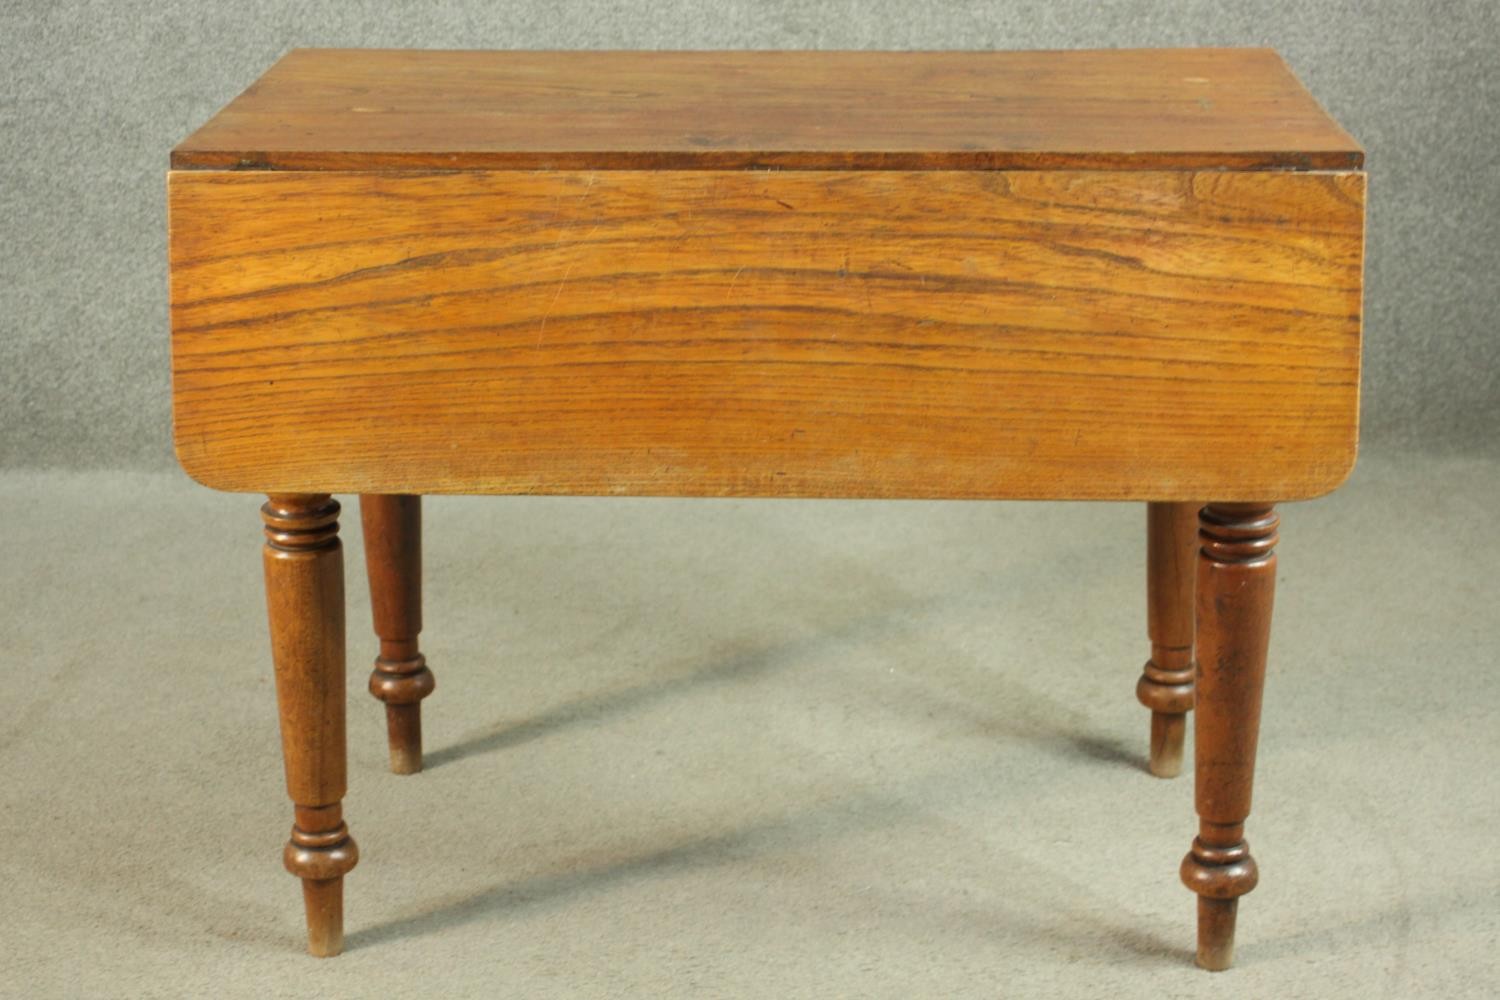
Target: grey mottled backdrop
(95,93)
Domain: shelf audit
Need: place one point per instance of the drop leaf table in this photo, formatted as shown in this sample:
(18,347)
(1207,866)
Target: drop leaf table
(1113,275)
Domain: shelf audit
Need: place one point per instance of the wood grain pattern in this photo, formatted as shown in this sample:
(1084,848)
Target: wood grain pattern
(367,109)
(1035,334)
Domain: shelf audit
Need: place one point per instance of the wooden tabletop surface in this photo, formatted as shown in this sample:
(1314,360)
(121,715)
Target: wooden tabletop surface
(360,109)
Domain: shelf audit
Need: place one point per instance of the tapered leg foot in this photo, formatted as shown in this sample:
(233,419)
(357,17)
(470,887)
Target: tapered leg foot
(1236,584)
(401,679)
(321,853)
(403,724)
(1168,734)
(1166,684)
(1216,933)
(324,899)
(305,601)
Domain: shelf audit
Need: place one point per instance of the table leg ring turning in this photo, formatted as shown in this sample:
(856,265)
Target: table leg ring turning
(1220,876)
(304,567)
(1236,583)
(321,854)
(402,684)
(393,556)
(1166,684)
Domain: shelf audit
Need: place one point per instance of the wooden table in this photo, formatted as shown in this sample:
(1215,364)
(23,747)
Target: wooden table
(1122,275)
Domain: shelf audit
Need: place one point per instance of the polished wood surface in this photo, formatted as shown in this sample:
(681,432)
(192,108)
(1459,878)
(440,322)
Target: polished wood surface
(1034,334)
(401,678)
(1166,684)
(1179,108)
(304,569)
(1236,585)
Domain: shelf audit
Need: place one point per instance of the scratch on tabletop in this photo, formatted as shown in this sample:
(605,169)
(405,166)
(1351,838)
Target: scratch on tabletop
(558,295)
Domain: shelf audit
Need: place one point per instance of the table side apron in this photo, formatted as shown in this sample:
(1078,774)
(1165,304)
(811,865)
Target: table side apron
(1086,334)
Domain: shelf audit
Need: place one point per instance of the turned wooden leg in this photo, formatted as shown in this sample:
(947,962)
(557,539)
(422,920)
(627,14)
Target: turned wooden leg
(393,557)
(1236,582)
(305,599)
(1166,684)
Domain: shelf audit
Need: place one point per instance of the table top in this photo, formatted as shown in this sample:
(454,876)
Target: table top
(365,109)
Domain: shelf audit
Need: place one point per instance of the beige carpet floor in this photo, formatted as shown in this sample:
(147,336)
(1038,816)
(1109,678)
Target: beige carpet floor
(748,749)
